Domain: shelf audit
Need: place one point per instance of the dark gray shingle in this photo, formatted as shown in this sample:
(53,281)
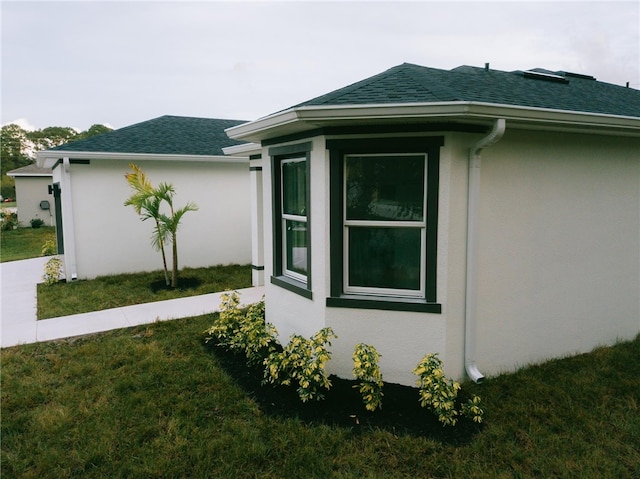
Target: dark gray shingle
(409,83)
(166,135)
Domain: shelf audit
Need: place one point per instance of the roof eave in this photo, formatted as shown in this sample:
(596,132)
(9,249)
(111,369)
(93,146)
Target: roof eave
(243,150)
(14,175)
(49,158)
(305,118)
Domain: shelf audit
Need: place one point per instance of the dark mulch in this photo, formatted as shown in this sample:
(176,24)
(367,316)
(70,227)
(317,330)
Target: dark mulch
(401,413)
(183,284)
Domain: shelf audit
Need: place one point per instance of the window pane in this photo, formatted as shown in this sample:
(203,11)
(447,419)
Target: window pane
(296,246)
(385,257)
(385,187)
(294,188)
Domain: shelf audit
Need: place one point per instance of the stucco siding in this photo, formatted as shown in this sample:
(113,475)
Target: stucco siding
(559,253)
(30,191)
(110,238)
(401,337)
(288,311)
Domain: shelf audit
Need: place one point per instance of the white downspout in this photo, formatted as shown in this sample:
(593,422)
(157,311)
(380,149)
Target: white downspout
(473,200)
(68,227)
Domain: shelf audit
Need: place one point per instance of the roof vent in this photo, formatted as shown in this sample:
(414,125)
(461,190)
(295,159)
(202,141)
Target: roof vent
(578,75)
(536,75)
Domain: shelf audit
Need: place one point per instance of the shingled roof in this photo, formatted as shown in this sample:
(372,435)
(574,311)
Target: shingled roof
(409,83)
(166,135)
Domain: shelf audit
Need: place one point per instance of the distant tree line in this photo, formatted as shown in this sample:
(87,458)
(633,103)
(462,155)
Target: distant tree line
(19,146)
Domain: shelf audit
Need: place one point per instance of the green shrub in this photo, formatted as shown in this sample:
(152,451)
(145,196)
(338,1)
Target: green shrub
(8,220)
(52,271)
(243,329)
(367,371)
(302,361)
(439,393)
(49,247)
(36,222)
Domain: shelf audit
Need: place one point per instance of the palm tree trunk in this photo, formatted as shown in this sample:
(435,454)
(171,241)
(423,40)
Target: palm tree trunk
(174,275)
(164,263)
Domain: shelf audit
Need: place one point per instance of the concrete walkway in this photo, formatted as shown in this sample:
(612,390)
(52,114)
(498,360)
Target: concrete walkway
(18,323)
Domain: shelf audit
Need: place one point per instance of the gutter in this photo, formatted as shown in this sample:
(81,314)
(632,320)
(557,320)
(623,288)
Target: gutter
(471,296)
(49,158)
(68,229)
(304,118)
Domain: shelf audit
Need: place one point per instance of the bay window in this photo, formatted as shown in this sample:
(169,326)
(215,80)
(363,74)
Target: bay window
(384,208)
(291,233)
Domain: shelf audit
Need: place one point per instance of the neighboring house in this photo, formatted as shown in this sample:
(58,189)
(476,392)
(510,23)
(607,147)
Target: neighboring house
(492,217)
(34,197)
(99,236)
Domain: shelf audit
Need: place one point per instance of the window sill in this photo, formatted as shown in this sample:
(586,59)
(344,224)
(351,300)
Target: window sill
(292,285)
(386,304)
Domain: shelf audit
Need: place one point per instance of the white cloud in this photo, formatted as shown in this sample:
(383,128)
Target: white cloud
(22,123)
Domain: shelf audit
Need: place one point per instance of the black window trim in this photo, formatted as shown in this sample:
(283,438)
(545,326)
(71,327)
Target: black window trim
(338,148)
(277,155)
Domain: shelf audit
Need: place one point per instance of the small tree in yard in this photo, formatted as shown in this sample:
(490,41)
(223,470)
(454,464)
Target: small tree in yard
(170,223)
(147,202)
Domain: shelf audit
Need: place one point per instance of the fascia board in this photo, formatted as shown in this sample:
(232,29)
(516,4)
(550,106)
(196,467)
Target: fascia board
(309,117)
(22,175)
(553,117)
(248,131)
(48,158)
(243,150)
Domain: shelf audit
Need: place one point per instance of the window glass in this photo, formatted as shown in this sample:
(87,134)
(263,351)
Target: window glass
(385,257)
(296,247)
(389,188)
(294,187)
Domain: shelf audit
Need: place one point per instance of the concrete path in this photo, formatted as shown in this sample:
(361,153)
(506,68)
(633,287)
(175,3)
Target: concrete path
(18,280)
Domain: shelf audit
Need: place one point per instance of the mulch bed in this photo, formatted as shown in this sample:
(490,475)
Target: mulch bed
(401,413)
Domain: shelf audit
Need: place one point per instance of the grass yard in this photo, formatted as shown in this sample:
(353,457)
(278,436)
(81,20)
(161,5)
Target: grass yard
(106,292)
(155,402)
(24,243)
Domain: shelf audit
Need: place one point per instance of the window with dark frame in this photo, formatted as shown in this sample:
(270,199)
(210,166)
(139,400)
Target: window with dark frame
(294,218)
(384,224)
(384,213)
(291,234)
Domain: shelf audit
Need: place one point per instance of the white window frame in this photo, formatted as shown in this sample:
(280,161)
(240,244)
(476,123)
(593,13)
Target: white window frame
(289,217)
(422,225)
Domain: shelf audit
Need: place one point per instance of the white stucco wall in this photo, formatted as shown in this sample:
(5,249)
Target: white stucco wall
(401,337)
(110,238)
(30,191)
(559,258)
(559,254)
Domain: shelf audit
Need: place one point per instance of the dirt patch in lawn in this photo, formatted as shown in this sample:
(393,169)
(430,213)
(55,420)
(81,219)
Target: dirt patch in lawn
(184,284)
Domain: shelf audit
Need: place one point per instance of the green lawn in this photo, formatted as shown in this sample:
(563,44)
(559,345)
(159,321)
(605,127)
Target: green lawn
(61,299)
(155,402)
(24,243)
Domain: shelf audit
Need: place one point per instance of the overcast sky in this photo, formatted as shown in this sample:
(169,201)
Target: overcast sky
(122,62)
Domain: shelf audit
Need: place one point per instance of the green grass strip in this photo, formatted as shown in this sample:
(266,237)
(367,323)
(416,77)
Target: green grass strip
(62,299)
(24,243)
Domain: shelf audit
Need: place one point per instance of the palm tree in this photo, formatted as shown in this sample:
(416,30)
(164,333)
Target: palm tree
(170,223)
(146,203)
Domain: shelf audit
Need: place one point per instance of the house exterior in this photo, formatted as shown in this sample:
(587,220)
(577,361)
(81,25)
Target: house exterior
(34,198)
(491,217)
(98,235)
